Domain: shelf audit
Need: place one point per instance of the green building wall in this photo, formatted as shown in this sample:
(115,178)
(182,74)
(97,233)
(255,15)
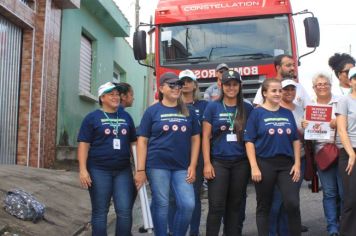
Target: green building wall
(105,25)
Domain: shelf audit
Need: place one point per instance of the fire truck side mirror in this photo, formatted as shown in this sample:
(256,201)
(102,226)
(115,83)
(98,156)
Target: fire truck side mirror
(139,45)
(312,32)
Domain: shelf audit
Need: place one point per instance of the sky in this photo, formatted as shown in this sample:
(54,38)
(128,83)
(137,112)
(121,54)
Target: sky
(337,31)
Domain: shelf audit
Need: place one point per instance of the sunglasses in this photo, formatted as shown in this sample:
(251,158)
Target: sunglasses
(174,85)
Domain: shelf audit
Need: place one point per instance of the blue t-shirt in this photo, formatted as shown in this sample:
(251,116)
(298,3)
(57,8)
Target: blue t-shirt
(100,132)
(272,132)
(218,117)
(199,108)
(169,136)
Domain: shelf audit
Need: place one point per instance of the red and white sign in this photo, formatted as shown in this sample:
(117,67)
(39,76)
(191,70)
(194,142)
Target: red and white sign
(318,118)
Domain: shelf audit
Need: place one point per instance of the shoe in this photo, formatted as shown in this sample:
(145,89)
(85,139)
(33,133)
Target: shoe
(304,229)
(334,234)
(142,230)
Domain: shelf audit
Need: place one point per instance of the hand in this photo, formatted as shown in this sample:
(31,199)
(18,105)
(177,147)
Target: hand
(305,124)
(256,174)
(295,171)
(333,123)
(209,172)
(191,175)
(140,179)
(84,177)
(350,164)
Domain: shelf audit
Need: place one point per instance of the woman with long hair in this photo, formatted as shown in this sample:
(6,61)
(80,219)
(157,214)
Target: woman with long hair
(190,97)
(225,163)
(346,127)
(104,151)
(273,150)
(167,151)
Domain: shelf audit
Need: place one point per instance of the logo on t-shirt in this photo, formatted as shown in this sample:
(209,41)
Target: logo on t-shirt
(271,131)
(175,127)
(107,131)
(183,128)
(124,131)
(288,131)
(165,127)
(223,128)
(114,132)
(280,131)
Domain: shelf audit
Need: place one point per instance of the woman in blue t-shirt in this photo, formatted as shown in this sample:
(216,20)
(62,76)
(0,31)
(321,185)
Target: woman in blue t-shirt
(190,97)
(225,163)
(273,150)
(104,151)
(167,151)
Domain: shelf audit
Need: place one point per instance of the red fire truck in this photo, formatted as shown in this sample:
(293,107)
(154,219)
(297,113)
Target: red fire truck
(245,34)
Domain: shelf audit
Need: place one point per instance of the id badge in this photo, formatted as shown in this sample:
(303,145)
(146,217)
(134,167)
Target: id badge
(231,138)
(116,143)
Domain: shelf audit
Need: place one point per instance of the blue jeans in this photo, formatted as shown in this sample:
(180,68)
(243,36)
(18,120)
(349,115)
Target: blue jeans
(163,181)
(278,216)
(119,185)
(195,221)
(332,196)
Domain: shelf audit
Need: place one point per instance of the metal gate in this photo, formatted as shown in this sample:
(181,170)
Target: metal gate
(10,61)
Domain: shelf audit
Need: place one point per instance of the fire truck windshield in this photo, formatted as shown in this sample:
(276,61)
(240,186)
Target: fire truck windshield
(242,40)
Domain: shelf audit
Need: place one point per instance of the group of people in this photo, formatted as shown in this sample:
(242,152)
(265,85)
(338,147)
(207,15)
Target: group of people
(228,141)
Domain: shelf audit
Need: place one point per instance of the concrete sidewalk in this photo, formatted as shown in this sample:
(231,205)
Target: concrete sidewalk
(67,205)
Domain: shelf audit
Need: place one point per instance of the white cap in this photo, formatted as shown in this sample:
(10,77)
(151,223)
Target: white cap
(187,74)
(288,82)
(352,72)
(106,88)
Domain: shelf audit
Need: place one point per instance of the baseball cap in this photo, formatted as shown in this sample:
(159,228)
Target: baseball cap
(288,82)
(187,74)
(106,88)
(168,77)
(222,66)
(352,72)
(230,75)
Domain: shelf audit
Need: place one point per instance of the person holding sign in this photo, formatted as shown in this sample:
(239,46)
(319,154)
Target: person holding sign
(167,151)
(225,163)
(273,150)
(346,122)
(104,151)
(330,178)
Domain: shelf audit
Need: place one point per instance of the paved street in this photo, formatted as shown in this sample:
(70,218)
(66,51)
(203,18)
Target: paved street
(311,209)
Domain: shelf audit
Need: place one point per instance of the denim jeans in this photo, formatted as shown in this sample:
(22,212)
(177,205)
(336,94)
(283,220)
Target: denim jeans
(163,181)
(332,194)
(118,185)
(278,216)
(195,221)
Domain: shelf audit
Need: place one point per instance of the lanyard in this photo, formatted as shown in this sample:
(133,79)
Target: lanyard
(116,127)
(231,118)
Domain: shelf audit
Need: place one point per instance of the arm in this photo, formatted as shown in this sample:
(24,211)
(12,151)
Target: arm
(251,154)
(140,175)
(341,121)
(84,177)
(209,172)
(295,171)
(195,139)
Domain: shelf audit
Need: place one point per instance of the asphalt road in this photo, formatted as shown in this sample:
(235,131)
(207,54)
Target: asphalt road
(311,211)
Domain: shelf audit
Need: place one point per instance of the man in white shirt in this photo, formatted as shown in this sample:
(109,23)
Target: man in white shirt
(285,68)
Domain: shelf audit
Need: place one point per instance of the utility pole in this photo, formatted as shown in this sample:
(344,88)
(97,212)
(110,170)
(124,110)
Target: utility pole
(137,13)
